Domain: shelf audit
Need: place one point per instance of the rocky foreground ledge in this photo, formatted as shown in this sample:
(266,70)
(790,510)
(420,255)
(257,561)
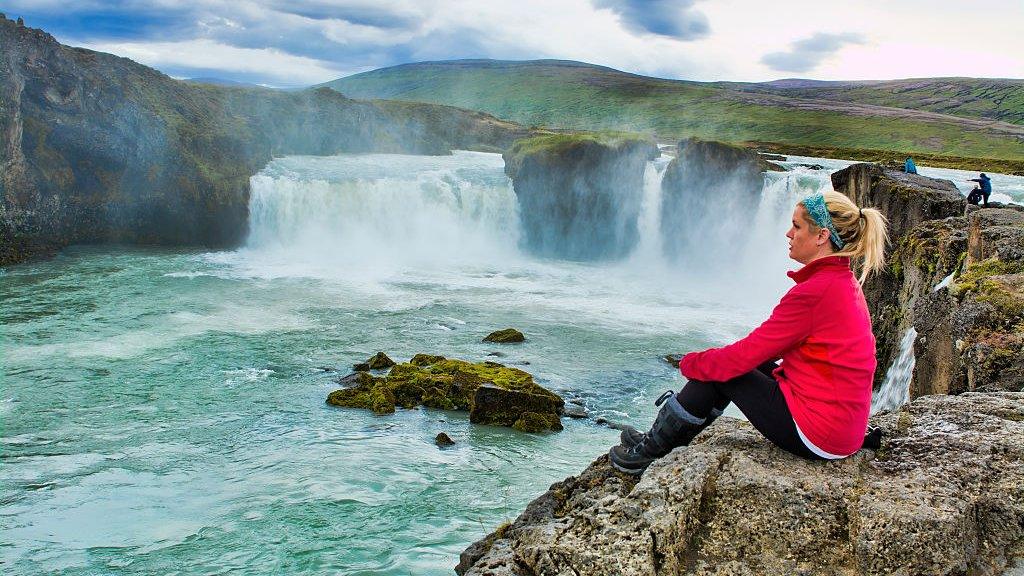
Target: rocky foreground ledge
(943,495)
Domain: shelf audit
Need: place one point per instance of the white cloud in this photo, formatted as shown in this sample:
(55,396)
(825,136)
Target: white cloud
(278,67)
(297,42)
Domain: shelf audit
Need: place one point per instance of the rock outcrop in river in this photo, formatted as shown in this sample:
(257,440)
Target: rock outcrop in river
(958,280)
(580,194)
(706,189)
(942,496)
(493,394)
(96,148)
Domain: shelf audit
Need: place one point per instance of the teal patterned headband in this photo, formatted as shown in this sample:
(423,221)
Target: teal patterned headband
(815,205)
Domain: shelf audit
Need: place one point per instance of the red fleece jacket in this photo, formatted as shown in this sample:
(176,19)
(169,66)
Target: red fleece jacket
(822,332)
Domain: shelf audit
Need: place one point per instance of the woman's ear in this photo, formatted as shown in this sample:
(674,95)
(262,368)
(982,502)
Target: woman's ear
(823,236)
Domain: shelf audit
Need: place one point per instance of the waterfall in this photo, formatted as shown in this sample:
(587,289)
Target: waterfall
(378,209)
(648,250)
(895,389)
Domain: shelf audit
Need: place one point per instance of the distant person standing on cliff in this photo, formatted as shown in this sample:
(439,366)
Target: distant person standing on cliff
(816,403)
(984,186)
(909,167)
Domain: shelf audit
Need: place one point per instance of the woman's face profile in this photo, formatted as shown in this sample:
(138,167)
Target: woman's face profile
(804,241)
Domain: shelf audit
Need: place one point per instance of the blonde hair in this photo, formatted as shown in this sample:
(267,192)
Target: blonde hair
(862,230)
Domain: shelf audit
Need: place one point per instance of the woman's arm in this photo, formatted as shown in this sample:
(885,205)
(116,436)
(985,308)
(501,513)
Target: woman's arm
(788,326)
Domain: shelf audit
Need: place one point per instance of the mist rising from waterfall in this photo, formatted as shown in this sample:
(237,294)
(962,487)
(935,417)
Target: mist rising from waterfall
(375,210)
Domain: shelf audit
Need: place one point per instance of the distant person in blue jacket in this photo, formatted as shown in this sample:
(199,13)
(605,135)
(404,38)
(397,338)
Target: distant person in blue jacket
(984,188)
(909,167)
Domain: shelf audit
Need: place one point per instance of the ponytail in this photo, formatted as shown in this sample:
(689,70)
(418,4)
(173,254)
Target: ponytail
(863,231)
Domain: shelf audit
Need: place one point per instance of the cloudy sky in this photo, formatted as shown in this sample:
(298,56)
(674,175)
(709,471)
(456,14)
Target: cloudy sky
(302,42)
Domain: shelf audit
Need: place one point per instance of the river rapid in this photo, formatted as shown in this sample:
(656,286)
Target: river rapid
(163,410)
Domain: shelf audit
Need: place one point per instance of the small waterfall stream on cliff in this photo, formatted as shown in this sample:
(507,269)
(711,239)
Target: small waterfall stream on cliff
(164,410)
(895,389)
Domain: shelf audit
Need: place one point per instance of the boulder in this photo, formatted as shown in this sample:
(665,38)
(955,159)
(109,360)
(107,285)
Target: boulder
(492,393)
(380,361)
(355,379)
(580,194)
(519,409)
(704,181)
(941,496)
(443,440)
(506,336)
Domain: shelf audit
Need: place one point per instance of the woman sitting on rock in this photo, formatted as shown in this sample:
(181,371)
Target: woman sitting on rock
(816,403)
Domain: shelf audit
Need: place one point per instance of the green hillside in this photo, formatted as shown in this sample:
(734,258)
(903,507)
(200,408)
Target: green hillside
(990,98)
(573,95)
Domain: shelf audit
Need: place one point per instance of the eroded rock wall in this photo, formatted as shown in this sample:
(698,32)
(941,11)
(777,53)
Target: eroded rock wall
(580,195)
(710,193)
(955,277)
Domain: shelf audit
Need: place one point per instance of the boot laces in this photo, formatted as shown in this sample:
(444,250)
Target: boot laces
(661,399)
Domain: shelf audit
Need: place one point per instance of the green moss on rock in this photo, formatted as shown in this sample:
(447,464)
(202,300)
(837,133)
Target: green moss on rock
(494,394)
(508,335)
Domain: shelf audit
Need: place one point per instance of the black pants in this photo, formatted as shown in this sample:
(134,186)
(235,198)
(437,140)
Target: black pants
(758,396)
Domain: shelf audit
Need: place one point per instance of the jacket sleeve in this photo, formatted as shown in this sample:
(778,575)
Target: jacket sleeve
(788,326)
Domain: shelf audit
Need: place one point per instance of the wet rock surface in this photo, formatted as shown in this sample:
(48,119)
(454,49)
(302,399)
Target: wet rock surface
(704,181)
(492,393)
(941,496)
(955,278)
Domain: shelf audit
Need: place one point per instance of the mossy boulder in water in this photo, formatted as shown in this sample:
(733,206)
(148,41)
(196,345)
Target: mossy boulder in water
(508,335)
(380,361)
(519,409)
(493,394)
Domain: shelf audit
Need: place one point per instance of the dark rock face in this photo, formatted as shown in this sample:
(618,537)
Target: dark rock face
(705,189)
(906,199)
(516,408)
(443,440)
(96,148)
(917,259)
(579,195)
(941,496)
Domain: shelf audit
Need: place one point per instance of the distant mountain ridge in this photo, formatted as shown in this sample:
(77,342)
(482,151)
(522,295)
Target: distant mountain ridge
(977,118)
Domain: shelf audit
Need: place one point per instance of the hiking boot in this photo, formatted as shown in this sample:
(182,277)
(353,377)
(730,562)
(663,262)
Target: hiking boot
(630,436)
(674,426)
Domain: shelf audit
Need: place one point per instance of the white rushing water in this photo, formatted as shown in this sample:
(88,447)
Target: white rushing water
(895,389)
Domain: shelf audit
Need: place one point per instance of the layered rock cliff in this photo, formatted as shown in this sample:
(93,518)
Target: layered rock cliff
(579,194)
(706,186)
(956,279)
(96,148)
